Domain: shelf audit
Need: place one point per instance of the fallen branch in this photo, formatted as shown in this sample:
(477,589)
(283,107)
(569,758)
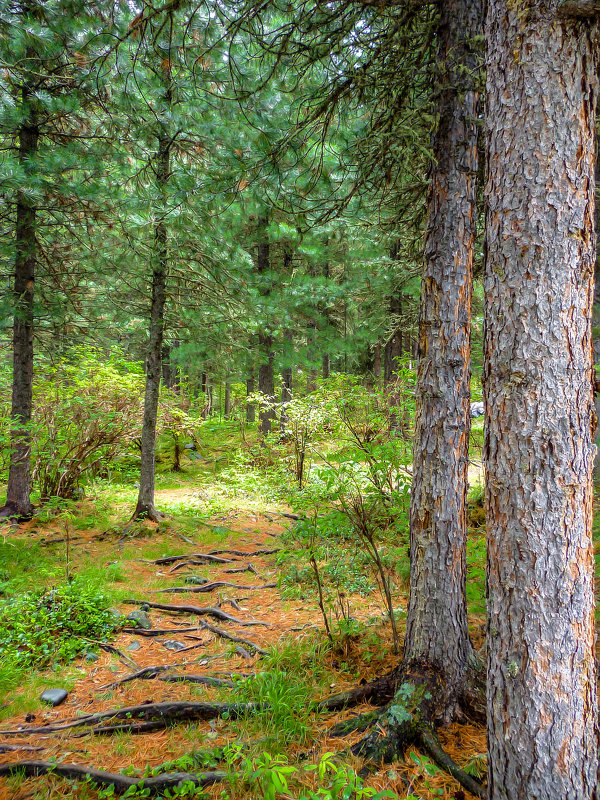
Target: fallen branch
(210,587)
(210,612)
(121,783)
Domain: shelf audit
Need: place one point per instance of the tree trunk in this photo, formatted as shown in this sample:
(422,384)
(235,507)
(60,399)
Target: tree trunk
(227,409)
(437,630)
(286,384)
(596,326)
(542,707)
(377,364)
(266,382)
(18,503)
(437,657)
(250,389)
(145,507)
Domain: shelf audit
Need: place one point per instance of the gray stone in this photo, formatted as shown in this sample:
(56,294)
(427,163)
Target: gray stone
(477,410)
(196,580)
(172,644)
(54,696)
(189,446)
(133,646)
(91,657)
(141,619)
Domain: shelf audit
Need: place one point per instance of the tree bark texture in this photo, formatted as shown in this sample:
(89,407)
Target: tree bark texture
(596,325)
(437,632)
(266,380)
(145,504)
(250,389)
(542,707)
(18,503)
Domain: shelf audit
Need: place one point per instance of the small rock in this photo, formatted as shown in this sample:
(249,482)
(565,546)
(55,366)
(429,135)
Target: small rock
(172,644)
(196,580)
(133,646)
(30,718)
(477,410)
(141,619)
(116,614)
(91,657)
(54,696)
(189,446)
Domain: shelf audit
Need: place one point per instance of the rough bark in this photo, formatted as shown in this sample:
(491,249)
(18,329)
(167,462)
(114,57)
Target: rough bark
(18,503)
(542,707)
(266,380)
(250,389)
(145,503)
(437,631)
(286,382)
(596,327)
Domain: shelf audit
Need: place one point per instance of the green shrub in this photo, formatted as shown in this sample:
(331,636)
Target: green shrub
(52,625)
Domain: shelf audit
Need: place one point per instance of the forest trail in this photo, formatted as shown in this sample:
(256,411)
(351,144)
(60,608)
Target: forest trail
(247,542)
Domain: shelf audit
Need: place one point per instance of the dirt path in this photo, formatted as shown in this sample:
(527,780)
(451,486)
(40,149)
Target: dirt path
(206,654)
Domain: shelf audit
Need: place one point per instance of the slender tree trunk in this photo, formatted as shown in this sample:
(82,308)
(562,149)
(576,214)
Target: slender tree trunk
(437,651)
(326,357)
(377,364)
(227,409)
(145,504)
(18,503)
(392,356)
(266,380)
(286,383)
(542,706)
(250,389)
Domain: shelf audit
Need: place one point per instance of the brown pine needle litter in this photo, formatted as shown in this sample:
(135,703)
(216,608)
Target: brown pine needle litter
(289,620)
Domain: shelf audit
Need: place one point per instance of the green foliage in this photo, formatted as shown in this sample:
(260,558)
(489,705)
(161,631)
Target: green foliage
(286,700)
(53,625)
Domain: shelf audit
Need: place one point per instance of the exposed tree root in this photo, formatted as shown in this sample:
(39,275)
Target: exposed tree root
(431,744)
(210,612)
(210,587)
(144,512)
(156,785)
(247,568)
(159,715)
(158,631)
(158,673)
(11,511)
(408,719)
(109,648)
(13,748)
(377,692)
(361,722)
(230,637)
(261,552)
(198,558)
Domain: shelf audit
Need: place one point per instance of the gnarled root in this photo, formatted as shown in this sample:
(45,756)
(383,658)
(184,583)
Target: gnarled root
(156,785)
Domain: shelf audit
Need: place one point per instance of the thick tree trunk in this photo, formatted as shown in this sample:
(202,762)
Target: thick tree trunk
(596,326)
(438,668)
(542,707)
(266,381)
(18,503)
(437,632)
(145,507)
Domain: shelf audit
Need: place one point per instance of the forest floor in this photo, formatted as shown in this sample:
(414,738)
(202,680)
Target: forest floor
(299,663)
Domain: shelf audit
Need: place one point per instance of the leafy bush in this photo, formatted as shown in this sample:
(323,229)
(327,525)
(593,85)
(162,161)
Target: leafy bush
(52,625)
(87,411)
